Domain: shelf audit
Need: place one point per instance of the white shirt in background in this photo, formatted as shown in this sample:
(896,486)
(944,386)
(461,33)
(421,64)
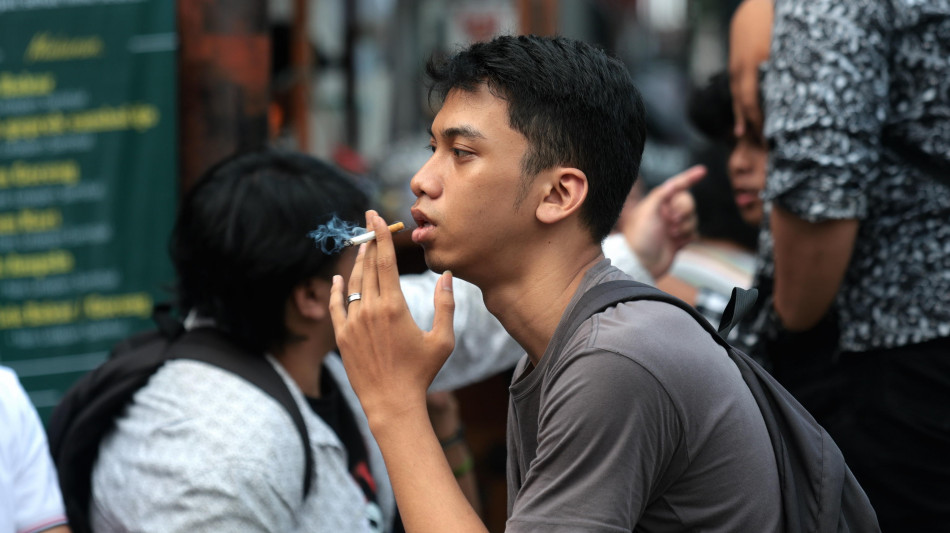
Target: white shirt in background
(30,500)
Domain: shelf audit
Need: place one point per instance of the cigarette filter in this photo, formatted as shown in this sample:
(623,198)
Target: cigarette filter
(370,235)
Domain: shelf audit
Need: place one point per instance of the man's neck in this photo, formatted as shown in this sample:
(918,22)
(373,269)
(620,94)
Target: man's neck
(530,305)
(303,361)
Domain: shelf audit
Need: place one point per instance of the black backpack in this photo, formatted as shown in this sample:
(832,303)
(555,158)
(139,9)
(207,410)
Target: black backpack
(819,492)
(89,409)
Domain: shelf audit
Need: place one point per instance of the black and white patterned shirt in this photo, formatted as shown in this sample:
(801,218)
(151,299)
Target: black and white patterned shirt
(857,107)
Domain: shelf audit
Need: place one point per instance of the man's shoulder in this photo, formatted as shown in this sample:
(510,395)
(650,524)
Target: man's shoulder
(646,328)
(653,334)
(664,341)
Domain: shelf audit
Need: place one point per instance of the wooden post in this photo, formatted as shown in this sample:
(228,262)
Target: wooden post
(301,62)
(224,79)
(537,17)
(351,120)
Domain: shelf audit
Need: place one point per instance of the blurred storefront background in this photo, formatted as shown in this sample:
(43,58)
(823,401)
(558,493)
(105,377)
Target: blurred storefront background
(88,159)
(366,105)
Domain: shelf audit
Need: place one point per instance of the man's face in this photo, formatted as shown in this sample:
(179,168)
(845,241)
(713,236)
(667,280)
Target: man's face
(466,192)
(747,169)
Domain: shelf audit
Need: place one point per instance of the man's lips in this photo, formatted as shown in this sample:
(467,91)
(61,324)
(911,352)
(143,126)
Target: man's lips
(424,226)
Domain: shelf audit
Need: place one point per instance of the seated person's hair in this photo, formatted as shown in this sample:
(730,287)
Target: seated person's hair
(240,242)
(709,109)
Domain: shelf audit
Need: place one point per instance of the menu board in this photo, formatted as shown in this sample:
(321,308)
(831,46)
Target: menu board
(88,181)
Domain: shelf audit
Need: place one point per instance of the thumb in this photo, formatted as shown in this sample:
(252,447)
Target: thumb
(442,324)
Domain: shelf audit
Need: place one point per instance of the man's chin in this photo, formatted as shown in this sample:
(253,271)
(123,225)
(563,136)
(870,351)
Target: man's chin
(439,266)
(434,263)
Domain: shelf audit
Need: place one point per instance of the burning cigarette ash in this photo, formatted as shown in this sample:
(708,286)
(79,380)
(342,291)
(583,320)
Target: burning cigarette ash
(337,234)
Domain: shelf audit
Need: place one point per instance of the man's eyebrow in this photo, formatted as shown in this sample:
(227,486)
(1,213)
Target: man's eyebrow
(459,131)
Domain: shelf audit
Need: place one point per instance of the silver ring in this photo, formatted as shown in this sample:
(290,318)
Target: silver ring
(353,297)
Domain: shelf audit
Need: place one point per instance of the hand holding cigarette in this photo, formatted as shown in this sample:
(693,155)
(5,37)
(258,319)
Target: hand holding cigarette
(390,361)
(370,235)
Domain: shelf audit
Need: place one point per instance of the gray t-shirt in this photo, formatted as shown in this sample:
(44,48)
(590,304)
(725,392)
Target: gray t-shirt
(641,422)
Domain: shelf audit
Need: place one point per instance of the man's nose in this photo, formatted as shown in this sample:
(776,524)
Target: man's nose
(425,181)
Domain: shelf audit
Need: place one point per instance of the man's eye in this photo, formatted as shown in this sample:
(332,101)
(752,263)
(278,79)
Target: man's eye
(430,148)
(460,153)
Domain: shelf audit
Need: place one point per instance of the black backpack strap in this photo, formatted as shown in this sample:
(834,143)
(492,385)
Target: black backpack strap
(740,303)
(208,345)
(168,325)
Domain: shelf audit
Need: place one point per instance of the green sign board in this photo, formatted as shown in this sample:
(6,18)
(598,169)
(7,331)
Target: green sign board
(88,181)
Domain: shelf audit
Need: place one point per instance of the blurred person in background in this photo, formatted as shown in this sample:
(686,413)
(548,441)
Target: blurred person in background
(728,208)
(30,500)
(209,451)
(802,361)
(857,117)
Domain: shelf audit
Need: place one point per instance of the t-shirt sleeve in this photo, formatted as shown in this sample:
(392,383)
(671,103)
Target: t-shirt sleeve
(825,98)
(37,502)
(607,433)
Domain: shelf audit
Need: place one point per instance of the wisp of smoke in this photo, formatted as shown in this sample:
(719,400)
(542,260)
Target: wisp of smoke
(329,237)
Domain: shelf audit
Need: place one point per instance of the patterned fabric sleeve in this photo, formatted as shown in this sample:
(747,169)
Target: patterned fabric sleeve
(826,98)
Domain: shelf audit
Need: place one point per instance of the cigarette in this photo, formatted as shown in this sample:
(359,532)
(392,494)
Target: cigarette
(368,236)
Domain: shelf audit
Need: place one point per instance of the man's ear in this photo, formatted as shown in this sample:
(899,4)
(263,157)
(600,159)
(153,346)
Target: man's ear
(311,299)
(564,193)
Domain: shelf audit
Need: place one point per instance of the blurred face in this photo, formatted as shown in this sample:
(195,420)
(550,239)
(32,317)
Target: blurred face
(466,192)
(747,168)
(309,322)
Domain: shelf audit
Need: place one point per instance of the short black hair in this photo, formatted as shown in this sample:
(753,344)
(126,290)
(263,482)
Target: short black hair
(240,242)
(574,104)
(709,109)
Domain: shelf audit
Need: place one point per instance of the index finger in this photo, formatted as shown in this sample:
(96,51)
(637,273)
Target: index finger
(388,271)
(681,182)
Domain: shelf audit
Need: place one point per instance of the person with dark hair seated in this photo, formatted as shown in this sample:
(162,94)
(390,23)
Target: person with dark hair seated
(200,448)
(728,207)
(735,210)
